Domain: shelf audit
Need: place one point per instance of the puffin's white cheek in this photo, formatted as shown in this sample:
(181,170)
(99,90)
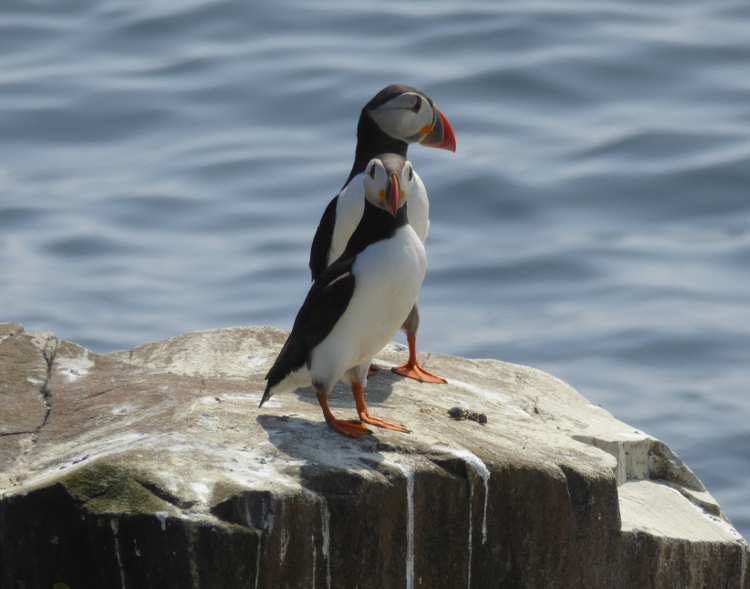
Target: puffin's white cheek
(402,123)
(424,118)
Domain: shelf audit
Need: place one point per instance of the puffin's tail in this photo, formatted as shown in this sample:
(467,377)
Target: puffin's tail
(280,377)
(266,395)
(274,385)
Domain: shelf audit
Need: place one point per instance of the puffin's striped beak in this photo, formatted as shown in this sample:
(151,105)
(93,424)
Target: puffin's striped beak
(441,135)
(394,193)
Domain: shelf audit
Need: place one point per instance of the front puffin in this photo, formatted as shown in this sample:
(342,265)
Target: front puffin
(395,117)
(358,303)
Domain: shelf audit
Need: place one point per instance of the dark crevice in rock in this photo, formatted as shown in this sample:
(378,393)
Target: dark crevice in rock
(578,490)
(451,465)
(47,400)
(5,434)
(373,464)
(44,391)
(333,482)
(251,509)
(48,353)
(83,502)
(381,446)
(665,464)
(102,392)
(165,495)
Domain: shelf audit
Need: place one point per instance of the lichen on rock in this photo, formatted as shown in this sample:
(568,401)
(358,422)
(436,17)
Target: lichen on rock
(108,487)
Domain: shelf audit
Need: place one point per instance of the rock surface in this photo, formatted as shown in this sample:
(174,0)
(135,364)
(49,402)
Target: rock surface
(155,468)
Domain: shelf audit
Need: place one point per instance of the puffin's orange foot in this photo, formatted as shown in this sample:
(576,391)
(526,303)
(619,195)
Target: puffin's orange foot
(416,372)
(349,427)
(396,427)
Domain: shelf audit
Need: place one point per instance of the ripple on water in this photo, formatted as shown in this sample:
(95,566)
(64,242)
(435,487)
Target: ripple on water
(86,246)
(547,268)
(19,217)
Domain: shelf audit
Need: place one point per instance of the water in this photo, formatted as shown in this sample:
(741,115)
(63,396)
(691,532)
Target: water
(163,165)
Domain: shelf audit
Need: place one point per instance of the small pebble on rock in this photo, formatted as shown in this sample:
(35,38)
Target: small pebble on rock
(460,413)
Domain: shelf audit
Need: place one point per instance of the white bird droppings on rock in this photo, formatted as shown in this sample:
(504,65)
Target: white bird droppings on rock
(74,368)
(325,530)
(115,533)
(408,473)
(480,468)
(162,517)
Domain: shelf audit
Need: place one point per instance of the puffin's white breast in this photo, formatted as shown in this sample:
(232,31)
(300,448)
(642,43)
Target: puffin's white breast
(388,275)
(350,207)
(418,208)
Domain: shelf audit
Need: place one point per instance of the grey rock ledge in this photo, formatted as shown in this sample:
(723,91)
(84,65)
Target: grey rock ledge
(155,468)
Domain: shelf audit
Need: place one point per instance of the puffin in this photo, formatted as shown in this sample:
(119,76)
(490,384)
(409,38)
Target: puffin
(358,302)
(395,117)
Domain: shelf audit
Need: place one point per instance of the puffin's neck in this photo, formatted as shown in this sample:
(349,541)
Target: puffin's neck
(371,141)
(376,224)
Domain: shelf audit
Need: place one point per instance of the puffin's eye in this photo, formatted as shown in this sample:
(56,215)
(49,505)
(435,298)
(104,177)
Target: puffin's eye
(411,173)
(372,171)
(417,103)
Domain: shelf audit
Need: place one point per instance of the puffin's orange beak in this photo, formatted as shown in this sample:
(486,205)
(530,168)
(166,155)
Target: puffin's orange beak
(394,193)
(441,135)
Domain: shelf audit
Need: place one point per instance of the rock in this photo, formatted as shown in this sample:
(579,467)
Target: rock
(155,468)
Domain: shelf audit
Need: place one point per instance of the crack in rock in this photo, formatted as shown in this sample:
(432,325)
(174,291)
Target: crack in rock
(47,344)
(22,433)
(49,351)
(45,391)
(164,495)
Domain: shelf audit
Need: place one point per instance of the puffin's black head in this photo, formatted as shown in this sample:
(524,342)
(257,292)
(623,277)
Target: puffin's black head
(388,180)
(409,115)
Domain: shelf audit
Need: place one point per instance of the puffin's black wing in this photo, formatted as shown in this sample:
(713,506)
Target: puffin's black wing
(321,244)
(325,303)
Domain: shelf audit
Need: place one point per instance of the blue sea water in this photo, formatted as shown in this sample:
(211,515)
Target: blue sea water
(163,165)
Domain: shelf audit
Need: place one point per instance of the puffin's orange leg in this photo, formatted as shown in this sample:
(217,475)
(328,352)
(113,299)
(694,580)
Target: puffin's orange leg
(364,416)
(412,368)
(352,429)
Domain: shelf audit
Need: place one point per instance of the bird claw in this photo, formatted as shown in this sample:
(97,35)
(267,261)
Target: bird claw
(350,428)
(396,427)
(416,372)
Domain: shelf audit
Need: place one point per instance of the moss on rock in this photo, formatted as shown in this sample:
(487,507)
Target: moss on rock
(112,488)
